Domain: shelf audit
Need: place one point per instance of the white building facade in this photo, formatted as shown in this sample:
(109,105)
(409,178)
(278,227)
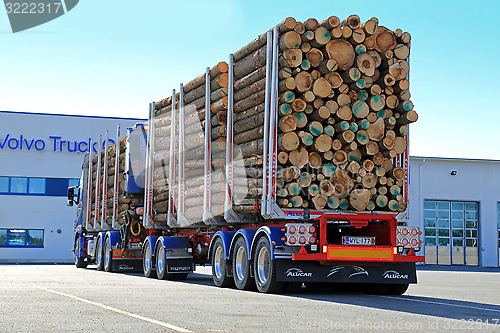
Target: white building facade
(456,203)
(40,156)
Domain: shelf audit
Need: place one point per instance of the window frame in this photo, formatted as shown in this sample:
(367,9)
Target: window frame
(26,232)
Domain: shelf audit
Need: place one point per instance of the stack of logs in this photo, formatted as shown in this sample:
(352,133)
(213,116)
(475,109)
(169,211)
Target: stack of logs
(194,143)
(123,199)
(344,108)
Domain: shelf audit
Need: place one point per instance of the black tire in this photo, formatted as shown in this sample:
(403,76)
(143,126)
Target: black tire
(98,255)
(147,261)
(292,287)
(161,262)
(80,262)
(398,289)
(265,268)
(108,255)
(241,266)
(377,288)
(161,266)
(219,265)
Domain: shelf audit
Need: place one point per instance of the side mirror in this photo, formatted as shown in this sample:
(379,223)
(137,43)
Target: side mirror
(71,196)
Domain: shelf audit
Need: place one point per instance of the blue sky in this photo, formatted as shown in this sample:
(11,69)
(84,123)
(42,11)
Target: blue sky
(111,58)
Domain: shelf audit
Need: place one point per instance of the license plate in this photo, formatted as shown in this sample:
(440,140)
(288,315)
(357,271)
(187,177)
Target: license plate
(135,246)
(357,240)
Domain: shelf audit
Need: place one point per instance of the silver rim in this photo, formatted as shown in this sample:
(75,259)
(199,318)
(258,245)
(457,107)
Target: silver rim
(99,254)
(147,258)
(217,262)
(77,251)
(160,263)
(240,261)
(107,254)
(263,265)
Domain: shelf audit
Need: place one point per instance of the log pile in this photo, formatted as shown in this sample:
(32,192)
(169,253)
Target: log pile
(343,114)
(124,199)
(194,142)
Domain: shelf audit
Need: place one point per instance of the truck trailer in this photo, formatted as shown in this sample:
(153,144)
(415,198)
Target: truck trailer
(266,169)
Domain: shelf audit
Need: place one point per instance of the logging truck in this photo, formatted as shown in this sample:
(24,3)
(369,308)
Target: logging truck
(286,165)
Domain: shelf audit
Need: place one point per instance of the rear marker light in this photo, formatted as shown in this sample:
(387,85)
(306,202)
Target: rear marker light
(302,229)
(139,211)
(302,240)
(312,229)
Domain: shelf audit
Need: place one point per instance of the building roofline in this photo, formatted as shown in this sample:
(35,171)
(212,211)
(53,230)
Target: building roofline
(458,159)
(70,115)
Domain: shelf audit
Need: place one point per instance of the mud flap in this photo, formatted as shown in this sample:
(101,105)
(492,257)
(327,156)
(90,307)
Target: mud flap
(310,271)
(127,265)
(180,265)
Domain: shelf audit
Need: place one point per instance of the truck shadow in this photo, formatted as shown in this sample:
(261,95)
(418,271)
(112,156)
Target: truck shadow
(421,305)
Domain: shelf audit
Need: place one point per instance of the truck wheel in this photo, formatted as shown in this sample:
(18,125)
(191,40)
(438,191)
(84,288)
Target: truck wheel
(219,267)
(79,261)
(98,255)
(265,268)
(241,266)
(161,263)
(398,289)
(147,261)
(108,256)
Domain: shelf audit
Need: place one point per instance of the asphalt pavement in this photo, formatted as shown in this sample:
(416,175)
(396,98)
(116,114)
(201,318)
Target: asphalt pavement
(62,298)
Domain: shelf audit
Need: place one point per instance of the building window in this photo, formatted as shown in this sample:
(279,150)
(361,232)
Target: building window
(36,186)
(451,232)
(21,238)
(4,184)
(18,185)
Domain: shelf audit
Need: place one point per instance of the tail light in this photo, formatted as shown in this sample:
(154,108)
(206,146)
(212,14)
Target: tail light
(299,234)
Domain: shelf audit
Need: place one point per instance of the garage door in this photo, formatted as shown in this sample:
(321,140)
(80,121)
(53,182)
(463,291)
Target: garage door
(451,229)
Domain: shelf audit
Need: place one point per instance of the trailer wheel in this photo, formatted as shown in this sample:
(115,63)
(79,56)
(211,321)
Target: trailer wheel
(398,289)
(108,255)
(79,261)
(241,266)
(161,262)
(98,255)
(219,267)
(147,261)
(265,269)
